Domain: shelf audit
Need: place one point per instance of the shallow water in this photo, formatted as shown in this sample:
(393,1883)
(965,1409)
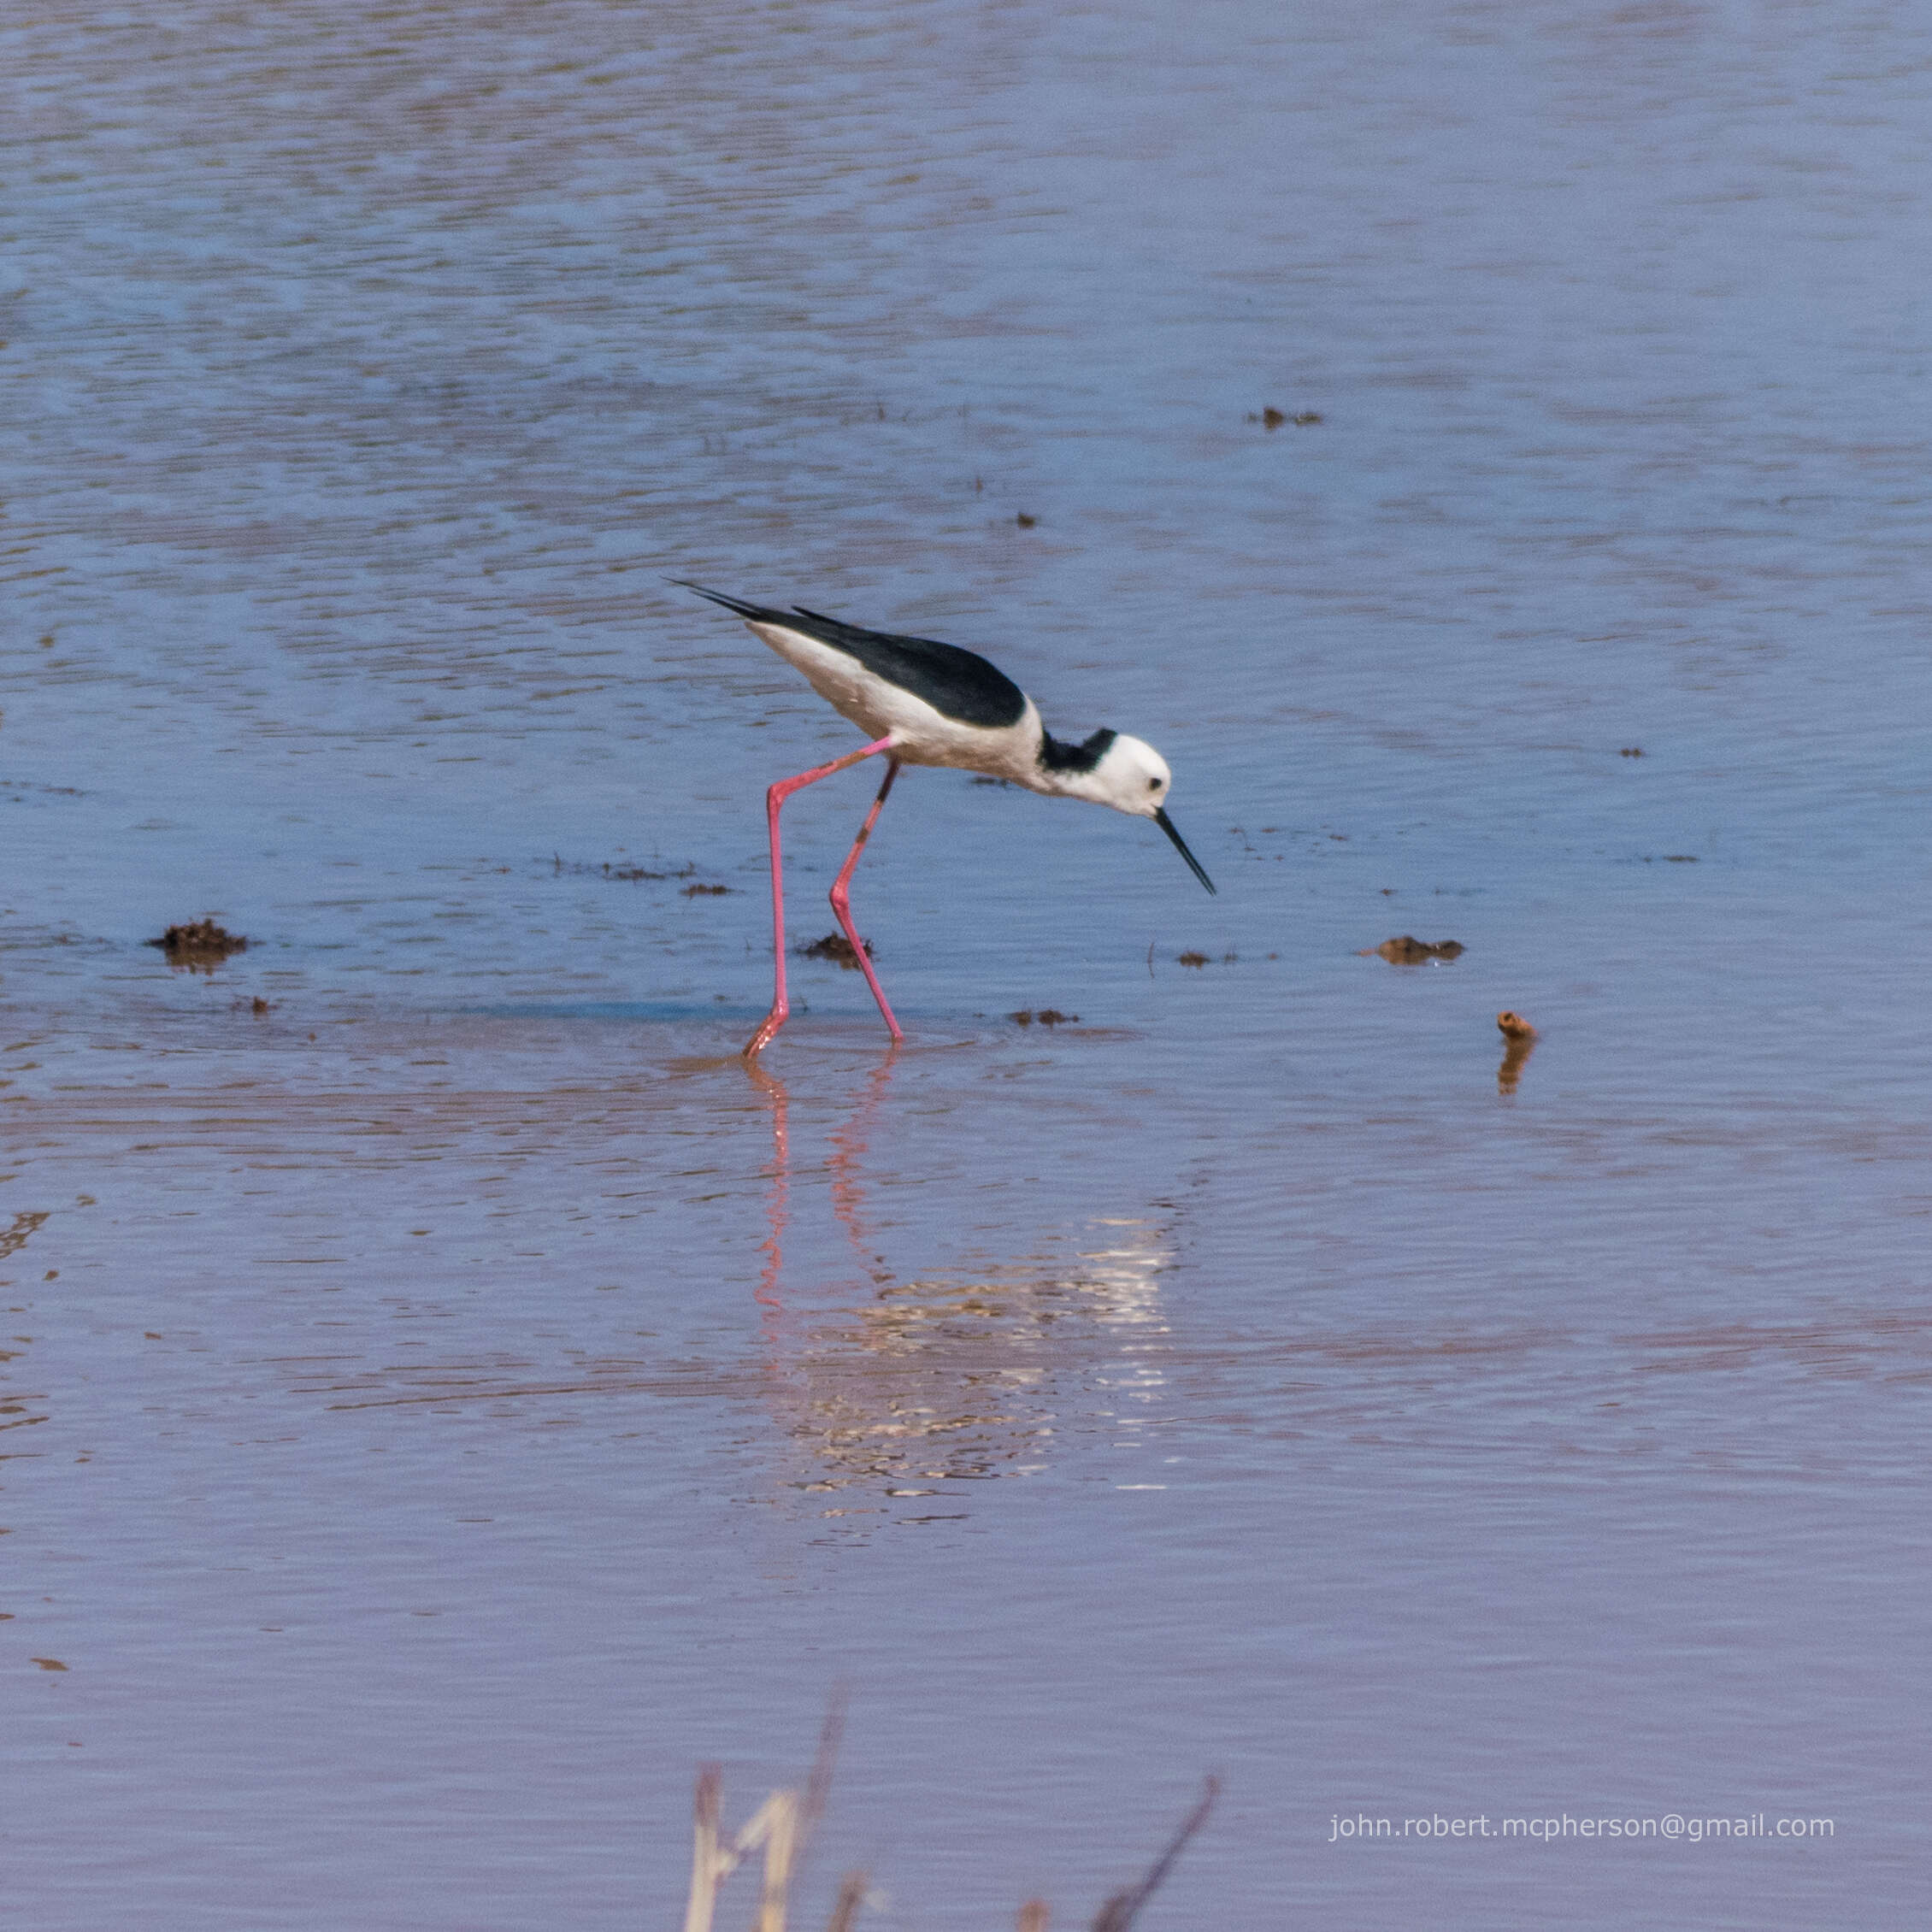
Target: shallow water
(444,1408)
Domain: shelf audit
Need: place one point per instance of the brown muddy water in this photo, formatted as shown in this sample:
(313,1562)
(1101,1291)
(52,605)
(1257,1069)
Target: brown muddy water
(444,1397)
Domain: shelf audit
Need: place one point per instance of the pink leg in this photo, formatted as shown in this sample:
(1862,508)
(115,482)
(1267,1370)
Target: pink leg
(775,798)
(841,898)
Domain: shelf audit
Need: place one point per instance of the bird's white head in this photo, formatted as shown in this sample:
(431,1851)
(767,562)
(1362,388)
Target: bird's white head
(1129,775)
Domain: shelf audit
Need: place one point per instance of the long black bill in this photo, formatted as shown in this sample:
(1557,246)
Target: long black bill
(1166,825)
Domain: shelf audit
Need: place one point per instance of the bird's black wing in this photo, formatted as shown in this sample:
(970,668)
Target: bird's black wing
(957,684)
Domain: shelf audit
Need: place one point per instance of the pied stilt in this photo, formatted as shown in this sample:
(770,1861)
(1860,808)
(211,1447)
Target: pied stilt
(927,703)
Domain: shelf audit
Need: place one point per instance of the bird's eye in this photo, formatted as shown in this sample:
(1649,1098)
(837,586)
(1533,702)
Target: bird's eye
(1153,784)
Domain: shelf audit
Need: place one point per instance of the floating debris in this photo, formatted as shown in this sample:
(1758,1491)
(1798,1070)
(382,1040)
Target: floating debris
(1409,951)
(1189,959)
(837,947)
(1519,1043)
(1631,751)
(1272,418)
(1025,521)
(705,892)
(1046,1016)
(200,946)
(13,1239)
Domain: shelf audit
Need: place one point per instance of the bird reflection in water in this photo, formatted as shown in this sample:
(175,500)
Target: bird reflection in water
(925,1386)
(778,1195)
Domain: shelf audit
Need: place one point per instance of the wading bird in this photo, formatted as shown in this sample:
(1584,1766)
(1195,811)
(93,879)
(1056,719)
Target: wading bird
(926,703)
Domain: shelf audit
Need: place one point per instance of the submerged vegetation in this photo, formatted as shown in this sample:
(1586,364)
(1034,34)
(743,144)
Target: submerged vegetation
(836,947)
(201,945)
(1409,951)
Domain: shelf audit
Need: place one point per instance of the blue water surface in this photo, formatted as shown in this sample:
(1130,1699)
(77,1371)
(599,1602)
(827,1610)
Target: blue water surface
(445,1396)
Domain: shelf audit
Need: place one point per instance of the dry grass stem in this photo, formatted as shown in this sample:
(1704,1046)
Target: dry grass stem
(704,1868)
(1120,1911)
(818,1786)
(774,1825)
(781,1826)
(851,1896)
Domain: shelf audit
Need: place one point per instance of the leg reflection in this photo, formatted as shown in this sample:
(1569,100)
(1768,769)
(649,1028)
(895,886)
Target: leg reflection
(779,1195)
(848,1194)
(848,1144)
